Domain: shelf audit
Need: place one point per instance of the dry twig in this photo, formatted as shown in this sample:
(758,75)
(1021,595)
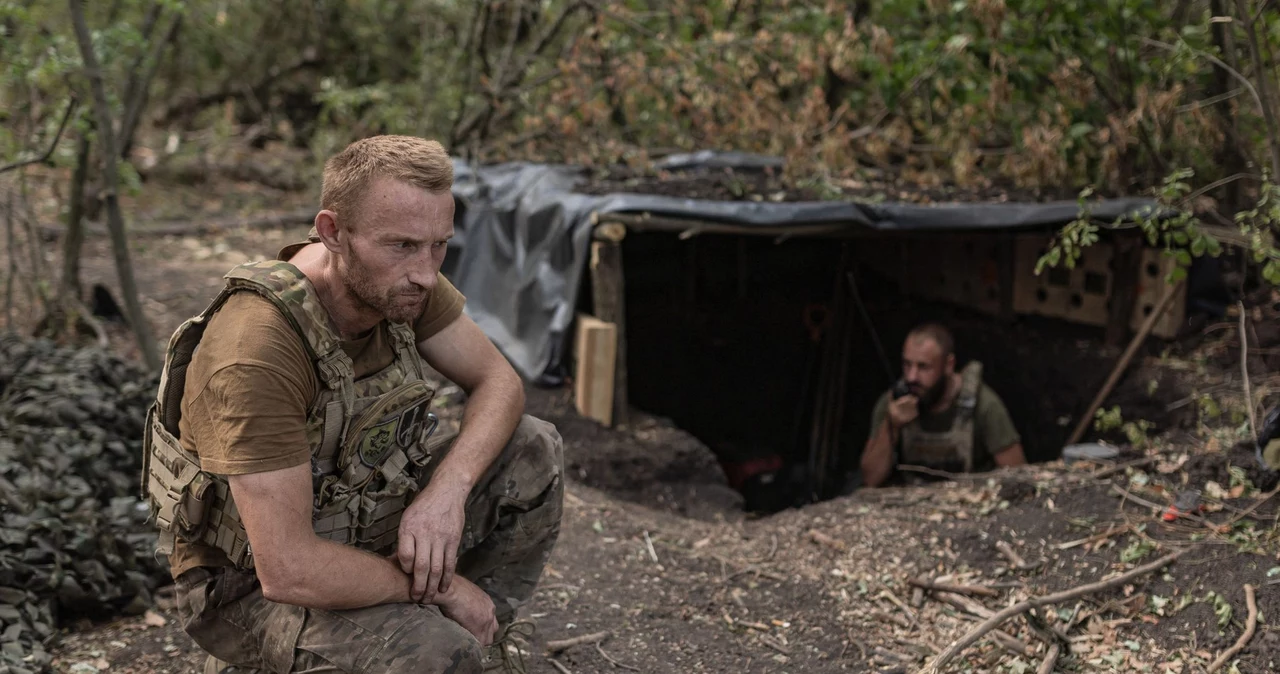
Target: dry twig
(1014,558)
(613,662)
(565,644)
(1157,507)
(1251,509)
(957,589)
(823,539)
(775,645)
(559,667)
(967,640)
(1121,467)
(1250,625)
(1092,539)
(1244,373)
(1011,643)
(1050,660)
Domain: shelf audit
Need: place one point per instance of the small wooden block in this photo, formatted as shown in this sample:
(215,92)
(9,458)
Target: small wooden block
(596,347)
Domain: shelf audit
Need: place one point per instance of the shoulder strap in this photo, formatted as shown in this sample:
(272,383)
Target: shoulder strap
(173,376)
(970,384)
(293,294)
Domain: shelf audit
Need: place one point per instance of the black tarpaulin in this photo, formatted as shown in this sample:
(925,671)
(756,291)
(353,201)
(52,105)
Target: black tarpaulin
(524,235)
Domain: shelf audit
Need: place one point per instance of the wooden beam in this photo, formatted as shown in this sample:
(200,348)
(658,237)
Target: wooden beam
(608,292)
(1171,293)
(689,227)
(596,348)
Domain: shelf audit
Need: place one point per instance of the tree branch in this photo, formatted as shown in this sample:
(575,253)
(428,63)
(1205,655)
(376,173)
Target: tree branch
(976,633)
(57,138)
(139,87)
(1250,625)
(106,138)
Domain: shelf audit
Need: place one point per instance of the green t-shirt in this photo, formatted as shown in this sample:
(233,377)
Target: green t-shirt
(992,428)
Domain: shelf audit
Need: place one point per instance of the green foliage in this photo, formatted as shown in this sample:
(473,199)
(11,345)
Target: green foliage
(1107,419)
(1136,550)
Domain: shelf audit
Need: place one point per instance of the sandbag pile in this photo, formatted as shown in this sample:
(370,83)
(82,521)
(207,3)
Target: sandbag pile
(74,538)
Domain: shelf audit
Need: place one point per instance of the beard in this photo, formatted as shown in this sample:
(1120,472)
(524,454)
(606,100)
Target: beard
(399,304)
(929,397)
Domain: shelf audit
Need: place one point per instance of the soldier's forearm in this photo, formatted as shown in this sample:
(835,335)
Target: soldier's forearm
(877,458)
(333,576)
(491,415)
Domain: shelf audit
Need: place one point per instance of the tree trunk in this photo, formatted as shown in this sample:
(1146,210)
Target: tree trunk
(115,221)
(1264,86)
(74,241)
(1228,154)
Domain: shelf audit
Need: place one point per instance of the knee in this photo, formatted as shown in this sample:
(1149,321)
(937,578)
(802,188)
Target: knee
(540,444)
(446,648)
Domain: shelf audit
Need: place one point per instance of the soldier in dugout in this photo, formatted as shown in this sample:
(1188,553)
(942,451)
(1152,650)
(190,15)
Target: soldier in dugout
(938,418)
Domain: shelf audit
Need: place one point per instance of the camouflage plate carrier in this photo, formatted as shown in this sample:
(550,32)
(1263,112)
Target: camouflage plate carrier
(954,447)
(371,440)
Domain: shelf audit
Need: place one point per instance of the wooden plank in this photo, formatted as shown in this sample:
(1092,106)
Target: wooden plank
(608,293)
(595,346)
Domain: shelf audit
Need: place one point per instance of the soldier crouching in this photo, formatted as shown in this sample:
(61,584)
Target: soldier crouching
(315,517)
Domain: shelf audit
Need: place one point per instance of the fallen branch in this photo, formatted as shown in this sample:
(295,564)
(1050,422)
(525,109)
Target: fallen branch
(1014,558)
(966,604)
(1159,508)
(648,544)
(977,633)
(898,602)
(1121,467)
(957,589)
(925,470)
(1092,539)
(1250,625)
(1251,509)
(1011,644)
(1050,660)
(775,645)
(554,647)
(891,618)
(823,539)
(613,662)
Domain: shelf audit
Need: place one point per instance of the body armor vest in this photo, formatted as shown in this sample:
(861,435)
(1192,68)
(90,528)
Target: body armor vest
(951,448)
(371,439)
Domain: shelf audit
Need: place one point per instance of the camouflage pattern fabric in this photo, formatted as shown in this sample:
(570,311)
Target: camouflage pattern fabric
(512,523)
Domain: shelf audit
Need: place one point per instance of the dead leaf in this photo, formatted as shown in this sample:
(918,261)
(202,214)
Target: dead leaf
(1167,467)
(1214,490)
(101,664)
(153,619)
(1236,491)
(1150,619)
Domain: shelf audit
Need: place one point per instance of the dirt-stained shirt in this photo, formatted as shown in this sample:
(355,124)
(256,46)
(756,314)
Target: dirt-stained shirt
(250,385)
(993,430)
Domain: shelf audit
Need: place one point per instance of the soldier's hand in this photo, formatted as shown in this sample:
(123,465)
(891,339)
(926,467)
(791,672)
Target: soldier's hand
(903,411)
(472,608)
(430,531)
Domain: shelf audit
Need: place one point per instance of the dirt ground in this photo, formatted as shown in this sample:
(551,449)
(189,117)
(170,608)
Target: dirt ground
(656,552)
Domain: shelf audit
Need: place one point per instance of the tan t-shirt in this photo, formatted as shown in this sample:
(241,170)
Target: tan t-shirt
(250,385)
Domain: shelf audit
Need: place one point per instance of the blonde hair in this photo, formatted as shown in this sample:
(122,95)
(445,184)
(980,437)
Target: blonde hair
(348,174)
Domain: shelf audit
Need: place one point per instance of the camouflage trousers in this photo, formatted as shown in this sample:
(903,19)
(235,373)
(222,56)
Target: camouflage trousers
(512,523)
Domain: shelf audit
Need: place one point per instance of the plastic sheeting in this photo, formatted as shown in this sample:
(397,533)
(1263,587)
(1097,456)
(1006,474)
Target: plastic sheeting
(525,234)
